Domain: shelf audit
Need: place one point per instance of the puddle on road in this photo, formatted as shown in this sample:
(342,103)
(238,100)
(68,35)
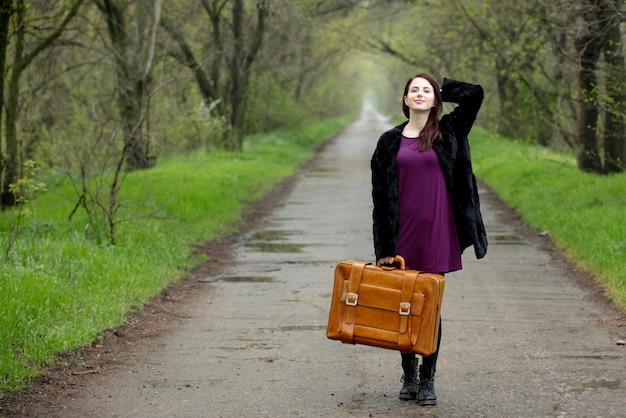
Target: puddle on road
(246,279)
(286,219)
(498,234)
(597,384)
(273,235)
(494,228)
(250,346)
(573,357)
(273,247)
(302,328)
(506,239)
(265,241)
(215,382)
(591,356)
(322,172)
(610,384)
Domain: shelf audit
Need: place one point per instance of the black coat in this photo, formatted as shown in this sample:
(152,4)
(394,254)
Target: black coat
(454,157)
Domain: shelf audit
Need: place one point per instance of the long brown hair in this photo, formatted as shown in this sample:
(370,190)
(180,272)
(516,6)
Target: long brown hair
(431,130)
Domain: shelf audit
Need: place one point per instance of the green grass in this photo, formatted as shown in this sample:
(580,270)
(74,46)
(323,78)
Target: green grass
(584,213)
(59,290)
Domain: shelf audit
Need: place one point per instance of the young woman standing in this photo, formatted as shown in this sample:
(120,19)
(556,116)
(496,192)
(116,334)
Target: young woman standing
(426,205)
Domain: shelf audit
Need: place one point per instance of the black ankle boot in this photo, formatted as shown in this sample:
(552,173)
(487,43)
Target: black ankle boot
(409,386)
(426,387)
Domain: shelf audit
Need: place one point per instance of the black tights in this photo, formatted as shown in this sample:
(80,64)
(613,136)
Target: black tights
(431,360)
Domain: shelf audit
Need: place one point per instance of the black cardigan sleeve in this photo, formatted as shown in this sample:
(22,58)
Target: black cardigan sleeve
(455,158)
(469,97)
(384,238)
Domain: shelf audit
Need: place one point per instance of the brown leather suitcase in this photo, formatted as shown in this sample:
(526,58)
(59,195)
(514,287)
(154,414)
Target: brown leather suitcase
(386,307)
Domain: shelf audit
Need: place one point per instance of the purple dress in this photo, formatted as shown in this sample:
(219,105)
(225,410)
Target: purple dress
(427,237)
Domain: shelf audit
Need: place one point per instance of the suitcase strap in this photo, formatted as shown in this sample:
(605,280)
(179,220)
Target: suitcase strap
(404,330)
(352,297)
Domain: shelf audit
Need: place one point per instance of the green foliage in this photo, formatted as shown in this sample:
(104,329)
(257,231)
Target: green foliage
(59,290)
(584,213)
(272,106)
(25,189)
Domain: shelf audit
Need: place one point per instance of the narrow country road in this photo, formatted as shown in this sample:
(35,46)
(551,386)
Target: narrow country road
(521,336)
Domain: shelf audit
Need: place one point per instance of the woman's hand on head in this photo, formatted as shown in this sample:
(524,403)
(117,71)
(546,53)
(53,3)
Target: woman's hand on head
(385,260)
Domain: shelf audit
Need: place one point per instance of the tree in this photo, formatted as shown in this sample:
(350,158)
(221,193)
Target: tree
(486,42)
(598,34)
(6,11)
(232,56)
(615,69)
(133,35)
(588,46)
(530,55)
(22,58)
(240,64)
(305,75)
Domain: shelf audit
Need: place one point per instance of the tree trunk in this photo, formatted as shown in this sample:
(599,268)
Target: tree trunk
(6,11)
(214,11)
(133,77)
(615,114)
(127,94)
(21,61)
(132,127)
(588,48)
(241,65)
(235,67)
(12,101)
(506,98)
(587,116)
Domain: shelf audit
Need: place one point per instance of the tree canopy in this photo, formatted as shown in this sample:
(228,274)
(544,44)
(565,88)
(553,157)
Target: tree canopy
(150,77)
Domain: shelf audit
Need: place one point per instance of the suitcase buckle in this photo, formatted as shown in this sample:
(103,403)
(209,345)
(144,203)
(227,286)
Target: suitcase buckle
(351,299)
(405,308)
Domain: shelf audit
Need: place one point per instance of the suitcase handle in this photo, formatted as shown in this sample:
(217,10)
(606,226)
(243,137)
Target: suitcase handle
(398,263)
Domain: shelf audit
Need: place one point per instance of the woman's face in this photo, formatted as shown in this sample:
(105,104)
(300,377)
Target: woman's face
(420,96)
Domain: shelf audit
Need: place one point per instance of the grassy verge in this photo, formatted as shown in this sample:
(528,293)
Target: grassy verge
(59,290)
(584,213)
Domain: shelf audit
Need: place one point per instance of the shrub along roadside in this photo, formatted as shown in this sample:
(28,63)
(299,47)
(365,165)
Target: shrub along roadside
(59,291)
(584,213)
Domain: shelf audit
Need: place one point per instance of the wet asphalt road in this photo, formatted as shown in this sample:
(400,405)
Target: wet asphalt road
(520,337)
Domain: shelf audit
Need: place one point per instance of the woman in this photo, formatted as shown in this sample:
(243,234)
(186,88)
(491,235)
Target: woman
(426,205)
